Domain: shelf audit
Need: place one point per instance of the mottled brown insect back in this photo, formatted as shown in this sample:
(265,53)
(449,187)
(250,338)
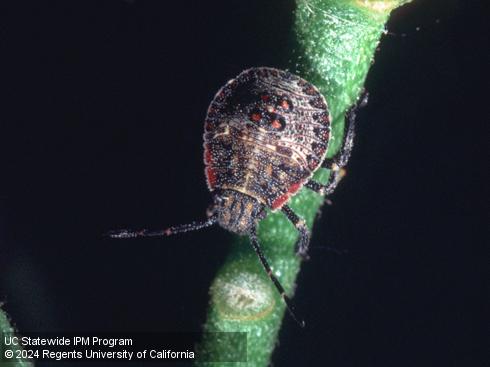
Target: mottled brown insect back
(266,132)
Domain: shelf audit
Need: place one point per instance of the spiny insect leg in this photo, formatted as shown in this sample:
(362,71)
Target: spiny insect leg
(336,174)
(289,304)
(194,226)
(339,161)
(304,233)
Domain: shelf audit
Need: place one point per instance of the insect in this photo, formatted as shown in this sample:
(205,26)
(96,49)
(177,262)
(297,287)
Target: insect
(265,133)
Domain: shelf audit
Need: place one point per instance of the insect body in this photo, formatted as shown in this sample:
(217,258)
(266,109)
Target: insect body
(266,132)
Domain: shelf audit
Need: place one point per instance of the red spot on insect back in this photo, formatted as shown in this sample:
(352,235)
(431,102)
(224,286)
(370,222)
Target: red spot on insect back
(256,117)
(276,124)
(295,187)
(207,155)
(280,201)
(211,175)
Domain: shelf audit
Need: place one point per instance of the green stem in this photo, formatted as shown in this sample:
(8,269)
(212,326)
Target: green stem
(335,42)
(6,329)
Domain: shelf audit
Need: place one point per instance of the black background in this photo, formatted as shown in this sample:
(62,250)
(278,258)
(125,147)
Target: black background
(101,127)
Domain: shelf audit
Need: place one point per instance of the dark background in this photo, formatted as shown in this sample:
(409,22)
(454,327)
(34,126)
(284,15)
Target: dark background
(101,127)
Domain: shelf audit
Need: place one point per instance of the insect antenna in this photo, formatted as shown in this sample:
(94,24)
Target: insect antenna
(289,304)
(194,226)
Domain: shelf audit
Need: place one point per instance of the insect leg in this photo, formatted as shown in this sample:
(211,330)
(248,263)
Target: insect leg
(289,305)
(336,174)
(194,226)
(304,233)
(337,163)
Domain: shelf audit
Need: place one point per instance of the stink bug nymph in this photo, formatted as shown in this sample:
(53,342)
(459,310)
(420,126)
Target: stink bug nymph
(266,132)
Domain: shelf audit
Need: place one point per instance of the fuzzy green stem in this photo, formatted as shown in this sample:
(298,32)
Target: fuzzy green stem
(334,46)
(6,329)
